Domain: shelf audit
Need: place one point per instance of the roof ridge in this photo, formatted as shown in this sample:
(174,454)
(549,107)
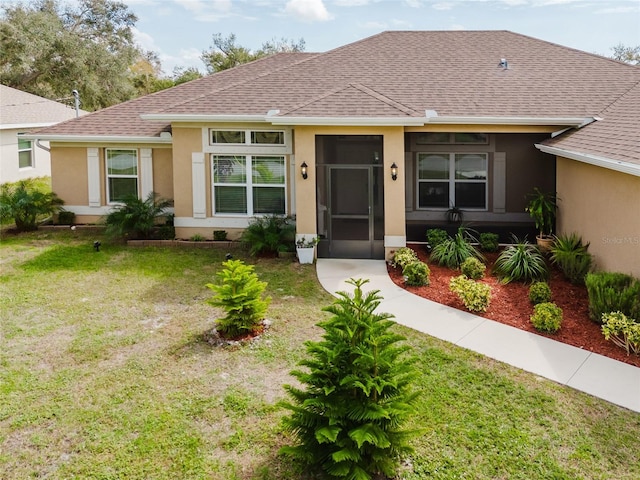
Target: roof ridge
(311,100)
(307,56)
(618,99)
(383,98)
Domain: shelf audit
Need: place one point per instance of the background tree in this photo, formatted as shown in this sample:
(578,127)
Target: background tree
(349,418)
(627,54)
(225,53)
(50,49)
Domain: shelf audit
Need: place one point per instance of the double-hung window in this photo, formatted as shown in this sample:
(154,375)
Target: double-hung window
(249,184)
(452,179)
(249,171)
(25,153)
(122,174)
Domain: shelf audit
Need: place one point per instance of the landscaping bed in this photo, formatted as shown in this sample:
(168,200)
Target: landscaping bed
(510,305)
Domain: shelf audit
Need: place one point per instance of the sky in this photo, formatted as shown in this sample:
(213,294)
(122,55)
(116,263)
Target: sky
(179,30)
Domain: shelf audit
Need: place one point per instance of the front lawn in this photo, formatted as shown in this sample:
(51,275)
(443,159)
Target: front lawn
(106,373)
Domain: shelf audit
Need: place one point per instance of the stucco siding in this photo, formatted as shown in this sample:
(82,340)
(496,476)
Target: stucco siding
(69,174)
(601,205)
(163,172)
(10,170)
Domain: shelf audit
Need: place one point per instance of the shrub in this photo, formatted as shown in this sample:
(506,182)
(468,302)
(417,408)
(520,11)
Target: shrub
(167,230)
(26,203)
(403,257)
(572,257)
(239,292)
(453,251)
(436,236)
(539,292)
(612,292)
(196,238)
(521,261)
(136,218)
(489,242)
(547,317)
(269,235)
(66,218)
(219,235)
(475,296)
(356,393)
(473,268)
(623,331)
(416,274)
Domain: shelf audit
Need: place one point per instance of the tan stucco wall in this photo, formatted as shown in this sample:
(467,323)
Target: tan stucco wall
(601,205)
(163,172)
(69,174)
(185,142)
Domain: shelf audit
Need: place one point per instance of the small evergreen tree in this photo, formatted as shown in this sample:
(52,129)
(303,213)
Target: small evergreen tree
(358,393)
(239,293)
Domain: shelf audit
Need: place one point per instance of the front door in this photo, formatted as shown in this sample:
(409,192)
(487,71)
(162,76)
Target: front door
(355,211)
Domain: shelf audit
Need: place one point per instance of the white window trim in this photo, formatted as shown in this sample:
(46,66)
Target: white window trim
(109,176)
(30,150)
(452,181)
(248,186)
(247,148)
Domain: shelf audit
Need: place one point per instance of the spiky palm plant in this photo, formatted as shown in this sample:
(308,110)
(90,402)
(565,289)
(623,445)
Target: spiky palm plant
(521,261)
(452,251)
(136,218)
(25,203)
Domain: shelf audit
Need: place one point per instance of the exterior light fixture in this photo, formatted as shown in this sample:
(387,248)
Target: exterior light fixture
(96,246)
(394,171)
(303,170)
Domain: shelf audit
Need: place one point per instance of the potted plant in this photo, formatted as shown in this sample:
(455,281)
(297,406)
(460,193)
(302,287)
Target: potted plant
(306,248)
(454,215)
(542,208)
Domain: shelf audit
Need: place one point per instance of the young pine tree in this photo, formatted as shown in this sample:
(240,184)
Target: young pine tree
(348,419)
(239,293)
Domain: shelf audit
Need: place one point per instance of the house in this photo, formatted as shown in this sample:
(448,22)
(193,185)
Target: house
(371,143)
(20,113)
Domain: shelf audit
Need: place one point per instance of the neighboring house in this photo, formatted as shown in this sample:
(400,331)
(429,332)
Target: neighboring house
(20,113)
(371,143)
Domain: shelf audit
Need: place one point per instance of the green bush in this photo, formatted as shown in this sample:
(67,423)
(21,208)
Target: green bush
(270,234)
(219,235)
(356,395)
(571,257)
(623,331)
(539,292)
(435,236)
(453,251)
(489,242)
(547,317)
(473,268)
(521,261)
(475,296)
(136,218)
(239,292)
(196,238)
(25,202)
(403,257)
(416,274)
(66,218)
(612,292)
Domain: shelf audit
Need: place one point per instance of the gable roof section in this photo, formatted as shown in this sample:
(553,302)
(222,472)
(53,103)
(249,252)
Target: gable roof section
(123,120)
(20,109)
(392,75)
(611,142)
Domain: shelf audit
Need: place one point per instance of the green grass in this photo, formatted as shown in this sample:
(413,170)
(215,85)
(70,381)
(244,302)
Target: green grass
(105,373)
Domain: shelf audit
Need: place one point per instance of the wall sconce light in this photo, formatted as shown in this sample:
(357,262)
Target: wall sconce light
(303,170)
(394,171)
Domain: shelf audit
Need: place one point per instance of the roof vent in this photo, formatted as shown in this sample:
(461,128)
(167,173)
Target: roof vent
(503,63)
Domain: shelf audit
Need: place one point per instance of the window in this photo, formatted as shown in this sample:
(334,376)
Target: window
(122,174)
(432,138)
(248,184)
(247,137)
(25,153)
(452,179)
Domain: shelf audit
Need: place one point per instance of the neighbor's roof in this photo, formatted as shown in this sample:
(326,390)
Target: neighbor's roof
(20,109)
(397,75)
(612,141)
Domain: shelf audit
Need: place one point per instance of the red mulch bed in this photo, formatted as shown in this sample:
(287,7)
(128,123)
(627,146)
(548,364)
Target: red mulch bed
(510,305)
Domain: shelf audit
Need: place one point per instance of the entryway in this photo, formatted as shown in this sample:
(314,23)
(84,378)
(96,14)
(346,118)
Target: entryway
(350,197)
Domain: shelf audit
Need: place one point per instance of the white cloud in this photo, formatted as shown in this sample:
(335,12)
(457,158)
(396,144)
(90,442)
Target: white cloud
(351,3)
(413,3)
(442,6)
(308,10)
(208,7)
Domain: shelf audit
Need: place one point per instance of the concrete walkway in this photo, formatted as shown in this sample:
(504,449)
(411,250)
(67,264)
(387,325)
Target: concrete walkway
(611,380)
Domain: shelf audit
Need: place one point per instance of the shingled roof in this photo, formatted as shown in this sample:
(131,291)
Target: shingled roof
(392,75)
(20,109)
